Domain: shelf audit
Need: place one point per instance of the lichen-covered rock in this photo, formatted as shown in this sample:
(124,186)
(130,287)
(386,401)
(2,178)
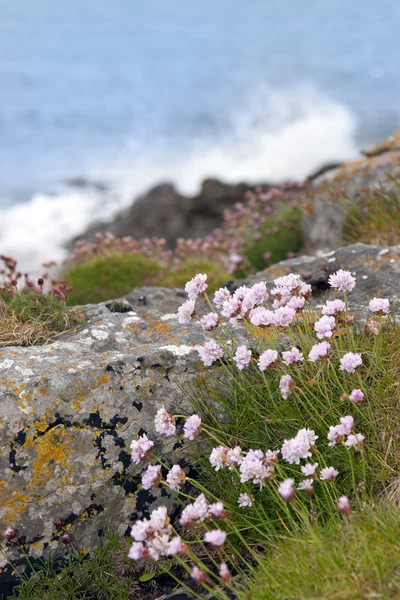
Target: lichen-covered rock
(70,409)
(330,196)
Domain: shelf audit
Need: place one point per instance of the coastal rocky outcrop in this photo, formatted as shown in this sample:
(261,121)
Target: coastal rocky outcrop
(331,195)
(70,409)
(165,213)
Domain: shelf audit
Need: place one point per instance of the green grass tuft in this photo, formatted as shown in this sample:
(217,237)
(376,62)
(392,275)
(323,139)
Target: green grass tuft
(217,277)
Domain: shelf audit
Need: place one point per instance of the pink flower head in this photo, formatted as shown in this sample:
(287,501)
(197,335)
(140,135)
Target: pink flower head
(140,448)
(219,457)
(325,327)
(374,326)
(254,469)
(242,357)
(292,356)
(284,316)
(209,321)
(137,551)
(296,302)
(151,477)
(350,362)
(286,385)
(355,440)
(309,470)
(266,359)
(333,308)
(224,573)
(217,510)
(342,281)
(210,352)
(261,317)
(357,396)
(244,500)
(344,506)
(379,305)
(196,511)
(192,427)
(175,546)
(286,490)
(164,422)
(176,478)
(221,296)
(198,575)
(258,293)
(346,425)
(306,486)
(196,286)
(299,447)
(234,457)
(10,533)
(216,537)
(319,351)
(328,474)
(186,311)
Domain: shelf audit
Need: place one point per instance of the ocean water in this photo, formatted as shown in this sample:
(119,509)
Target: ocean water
(129,93)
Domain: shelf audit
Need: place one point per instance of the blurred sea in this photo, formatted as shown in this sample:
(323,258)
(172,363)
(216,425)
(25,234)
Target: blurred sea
(127,93)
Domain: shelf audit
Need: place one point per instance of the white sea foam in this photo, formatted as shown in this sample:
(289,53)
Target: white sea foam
(277,136)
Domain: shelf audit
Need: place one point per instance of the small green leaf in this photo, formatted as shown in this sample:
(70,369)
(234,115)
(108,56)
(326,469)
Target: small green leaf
(147,576)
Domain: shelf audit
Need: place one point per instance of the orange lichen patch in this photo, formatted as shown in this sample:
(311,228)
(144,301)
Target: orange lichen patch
(389,145)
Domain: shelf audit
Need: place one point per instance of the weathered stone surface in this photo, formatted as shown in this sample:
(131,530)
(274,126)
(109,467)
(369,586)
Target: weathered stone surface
(326,209)
(71,409)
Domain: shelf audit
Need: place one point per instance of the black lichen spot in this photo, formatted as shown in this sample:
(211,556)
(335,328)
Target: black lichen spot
(12,459)
(94,420)
(118,307)
(143,500)
(110,369)
(116,420)
(20,438)
(137,405)
(125,459)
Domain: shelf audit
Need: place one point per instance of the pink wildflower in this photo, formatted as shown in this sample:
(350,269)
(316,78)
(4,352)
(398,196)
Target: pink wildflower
(344,505)
(151,477)
(196,286)
(266,359)
(174,546)
(292,356)
(342,281)
(284,316)
(379,305)
(198,575)
(306,486)
(319,351)
(299,447)
(309,470)
(10,533)
(224,573)
(296,302)
(164,422)
(196,511)
(258,293)
(328,474)
(235,457)
(333,308)
(186,311)
(219,458)
(216,537)
(242,357)
(137,551)
(357,396)
(217,510)
(253,468)
(210,352)
(325,327)
(140,448)
(374,327)
(192,427)
(355,440)
(350,362)
(286,385)
(221,296)
(209,321)
(244,500)
(176,478)
(261,317)
(286,490)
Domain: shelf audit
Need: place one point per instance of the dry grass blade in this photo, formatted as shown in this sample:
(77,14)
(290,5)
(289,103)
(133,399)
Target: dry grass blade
(17,332)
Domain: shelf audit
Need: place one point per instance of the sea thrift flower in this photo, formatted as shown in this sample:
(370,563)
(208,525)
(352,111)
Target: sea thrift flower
(66,538)
(176,478)
(216,537)
(355,441)
(10,533)
(325,327)
(357,396)
(374,327)
(307,486)
(151,477)
(296,302)
(286,385)
(292,356)
(140,448)
(244,500)
(328,474)
(221,296)
(231,308)
(196,286)
(350,362)
(286,490)
(284,316)
(242,357)
(209,321)
(379,305)
(261,317)
(217,510)
(224,573)
(186,311)
(344,505)
(137,551)
(342,281)
(266,359)
(164,422)
(175,546)
(258,293)
(192,427)
(333,307)
(253,468)
(235,457)
(308,469)
(319,351)
(299,447)
(197,511)
(219,457)
(210,352)
(198,575)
